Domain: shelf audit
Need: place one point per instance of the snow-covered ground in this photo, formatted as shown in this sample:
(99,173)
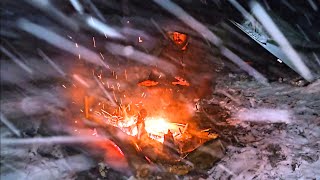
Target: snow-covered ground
(274,147)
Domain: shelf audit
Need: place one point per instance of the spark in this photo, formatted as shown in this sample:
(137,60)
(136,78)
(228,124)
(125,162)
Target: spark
(114,96)
(57,40)
(76,44)
(284,44)
(140,40)
(97,112)
(64,86)
(103,111)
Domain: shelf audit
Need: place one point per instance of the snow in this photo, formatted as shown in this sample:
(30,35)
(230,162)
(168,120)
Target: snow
(274,149)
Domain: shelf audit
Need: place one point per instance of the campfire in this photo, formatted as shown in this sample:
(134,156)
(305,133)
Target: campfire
(147,113)
(155,130)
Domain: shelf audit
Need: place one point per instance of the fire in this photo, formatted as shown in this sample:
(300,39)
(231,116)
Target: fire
(156,127)
(166,119)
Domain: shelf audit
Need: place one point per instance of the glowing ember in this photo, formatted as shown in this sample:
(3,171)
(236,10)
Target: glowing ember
(156,127)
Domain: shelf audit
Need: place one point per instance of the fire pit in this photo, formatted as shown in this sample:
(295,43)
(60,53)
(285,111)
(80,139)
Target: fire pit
(150,114)
(156,132)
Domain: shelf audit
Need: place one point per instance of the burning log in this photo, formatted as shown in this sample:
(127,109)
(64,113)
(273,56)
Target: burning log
(181,81)
(148,83)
